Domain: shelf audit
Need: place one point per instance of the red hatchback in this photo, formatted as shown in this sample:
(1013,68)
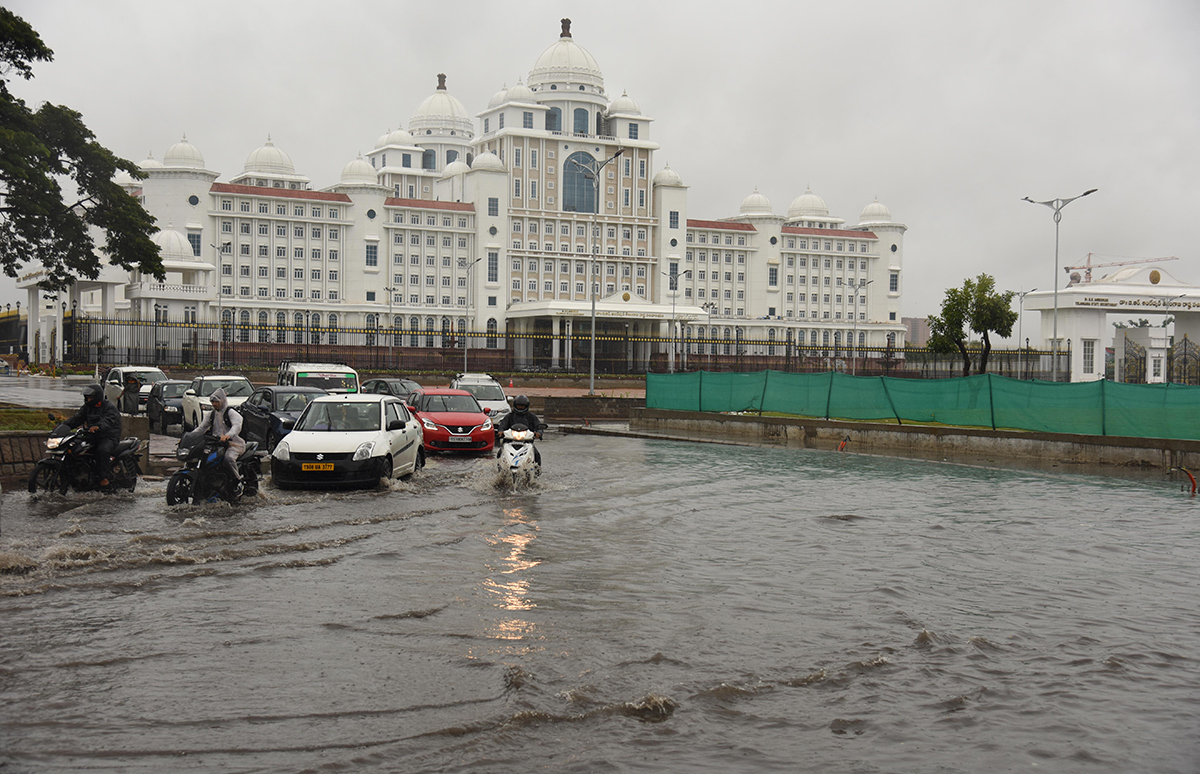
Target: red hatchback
(452,420)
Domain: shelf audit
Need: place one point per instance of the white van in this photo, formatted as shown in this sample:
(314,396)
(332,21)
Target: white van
(331,377)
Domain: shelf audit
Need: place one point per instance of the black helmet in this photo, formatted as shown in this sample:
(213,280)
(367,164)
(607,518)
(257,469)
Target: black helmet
(93,395)
(521,403)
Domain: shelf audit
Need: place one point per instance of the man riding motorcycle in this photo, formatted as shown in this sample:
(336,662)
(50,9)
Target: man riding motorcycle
(103,421)
(521,415)
(225,422)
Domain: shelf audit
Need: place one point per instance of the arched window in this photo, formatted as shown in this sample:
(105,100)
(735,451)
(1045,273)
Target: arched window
(837,343)
(812,339)
(862,338)
(728,333)
(429,159)
(579,192)
(280,328)
(470,159)
(372,323)
(451,156)
(892,338)
(581,121)
(226,323)
(491,333)
(740,336)
(771,337)
(414,325)
(244,333)
(263,331)
(429,323)
(333,324)
(824,338)
(314,329)
(397,339)
(298,324)
(600,127)
(554,120)
(445,331)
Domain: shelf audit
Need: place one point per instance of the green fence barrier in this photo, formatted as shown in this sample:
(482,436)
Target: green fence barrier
(985,400)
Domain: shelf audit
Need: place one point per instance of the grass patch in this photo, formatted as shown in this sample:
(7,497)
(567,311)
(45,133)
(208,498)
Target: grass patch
(28,419)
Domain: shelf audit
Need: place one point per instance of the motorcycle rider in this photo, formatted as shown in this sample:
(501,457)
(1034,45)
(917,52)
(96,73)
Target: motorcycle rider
(225,421)
(521,415)
(103,422)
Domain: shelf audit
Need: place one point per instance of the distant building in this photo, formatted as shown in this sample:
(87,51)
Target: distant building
(918,330)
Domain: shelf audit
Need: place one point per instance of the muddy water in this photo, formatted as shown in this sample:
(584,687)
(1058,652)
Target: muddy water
(651,606)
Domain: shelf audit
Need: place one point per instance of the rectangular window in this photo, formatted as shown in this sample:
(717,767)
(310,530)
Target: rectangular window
(674,219)
(493,266)
(633,130)
(526,120)
(772,276)
(372,258)
(1089,356)
(894,283)
(493,206)
(516,157)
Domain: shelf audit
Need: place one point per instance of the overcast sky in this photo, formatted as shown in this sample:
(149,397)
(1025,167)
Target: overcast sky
(948,112)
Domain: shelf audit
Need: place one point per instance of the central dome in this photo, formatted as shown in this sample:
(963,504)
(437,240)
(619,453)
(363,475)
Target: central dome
(441,110)
(269,160)
(756,204)
(808,204)
(566,62)
(183,154)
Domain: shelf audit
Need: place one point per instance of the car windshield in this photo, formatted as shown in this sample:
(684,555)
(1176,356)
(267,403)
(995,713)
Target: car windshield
(338,417)
(328,381)
(295,401)
(459,403)
(484,391)
(234,388)
(147,377)
(174,390)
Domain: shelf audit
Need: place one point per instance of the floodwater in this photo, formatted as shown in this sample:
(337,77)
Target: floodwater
(649,606)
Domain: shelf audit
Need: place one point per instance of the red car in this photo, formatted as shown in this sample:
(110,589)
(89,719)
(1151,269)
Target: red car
(452,420)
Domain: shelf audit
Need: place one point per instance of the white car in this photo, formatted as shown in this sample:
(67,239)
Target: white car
(487,392)
(351,439)
(114,383)
(197,398)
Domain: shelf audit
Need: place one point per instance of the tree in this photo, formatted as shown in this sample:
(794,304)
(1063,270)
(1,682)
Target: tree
(976,307)
(41,150)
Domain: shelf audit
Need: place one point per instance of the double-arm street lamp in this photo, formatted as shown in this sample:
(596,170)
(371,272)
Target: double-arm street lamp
(220,322)
(463,263)
(592,169)
(673,284)
(1020,324)
(1057,205)
(391,323)
(862,283)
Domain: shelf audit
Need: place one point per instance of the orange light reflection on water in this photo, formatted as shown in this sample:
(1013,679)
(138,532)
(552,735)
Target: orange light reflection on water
(512,593)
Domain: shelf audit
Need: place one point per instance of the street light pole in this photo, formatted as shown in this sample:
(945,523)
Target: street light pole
(391,323)
(1057,205)
(673,285)
(1020,325)
(220,322)
(462,263)
(854,357)
(1166,315)
(593,168)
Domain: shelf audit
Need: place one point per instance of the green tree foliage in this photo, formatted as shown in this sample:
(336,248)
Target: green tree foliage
(39,151)
(976,307)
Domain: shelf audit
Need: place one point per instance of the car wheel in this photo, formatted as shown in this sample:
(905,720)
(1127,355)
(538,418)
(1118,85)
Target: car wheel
(385,466)
(272,440)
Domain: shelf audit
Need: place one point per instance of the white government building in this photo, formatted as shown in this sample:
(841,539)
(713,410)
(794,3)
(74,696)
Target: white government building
(486,223)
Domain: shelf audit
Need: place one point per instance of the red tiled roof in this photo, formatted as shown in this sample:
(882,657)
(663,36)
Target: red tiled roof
(720,224)
(428,204)
(830,233)
(283,193)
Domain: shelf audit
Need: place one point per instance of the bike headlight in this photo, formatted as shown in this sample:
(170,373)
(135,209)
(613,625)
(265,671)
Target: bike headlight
(429,425)
(282,453)
(487,425)
(53,443)
(181,453)
(363,452)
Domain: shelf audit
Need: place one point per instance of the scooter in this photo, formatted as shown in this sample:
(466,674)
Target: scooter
(204,477)
(68,464)
(516,458)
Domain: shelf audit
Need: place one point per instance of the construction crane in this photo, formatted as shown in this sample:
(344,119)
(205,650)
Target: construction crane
(1088,266)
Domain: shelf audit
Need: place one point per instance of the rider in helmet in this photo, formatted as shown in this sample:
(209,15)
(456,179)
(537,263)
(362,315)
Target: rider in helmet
(101,418)
(521,415)
(225,422)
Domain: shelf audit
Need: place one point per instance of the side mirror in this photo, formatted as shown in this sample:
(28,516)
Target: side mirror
(395,424)
(487,410)
(542,426)
(509,399)
(190,392)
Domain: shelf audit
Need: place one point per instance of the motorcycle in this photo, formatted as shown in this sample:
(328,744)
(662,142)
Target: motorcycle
(516,459)
(68,464)
(204,477)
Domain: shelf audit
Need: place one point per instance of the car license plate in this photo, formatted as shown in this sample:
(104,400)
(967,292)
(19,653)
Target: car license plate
(317,466)
(460,439)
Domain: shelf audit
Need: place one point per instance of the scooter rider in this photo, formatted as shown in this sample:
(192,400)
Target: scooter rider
(103,421)
(521,415)
(225,421)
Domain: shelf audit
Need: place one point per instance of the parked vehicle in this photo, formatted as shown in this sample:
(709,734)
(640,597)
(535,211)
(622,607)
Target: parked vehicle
(271,412)
(487,391)
(196,398)
(114,383)
(349,439)
(331,377)
(452,420)
(401,388)
(204,477)
(68,464)
(164,406)
(517,458)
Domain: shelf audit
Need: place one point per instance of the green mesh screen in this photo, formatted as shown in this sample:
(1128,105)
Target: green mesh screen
(986,400)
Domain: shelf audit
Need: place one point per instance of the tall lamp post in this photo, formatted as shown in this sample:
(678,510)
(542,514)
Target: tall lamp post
(1166,315)
(592,169)
(709,307)
(220,297)
(1057,205)
(862,283)
(673,284)
(1020,324)
(463,263)
(391,323)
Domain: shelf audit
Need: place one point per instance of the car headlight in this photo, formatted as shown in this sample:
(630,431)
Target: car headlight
(171,409)
(282,453)
(487,425)
(363,452)
(429,425)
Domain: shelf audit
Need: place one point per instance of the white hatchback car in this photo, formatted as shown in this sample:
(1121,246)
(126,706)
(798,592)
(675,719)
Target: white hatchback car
(351,439)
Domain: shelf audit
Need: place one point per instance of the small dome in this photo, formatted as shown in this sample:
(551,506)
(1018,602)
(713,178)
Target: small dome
(519,93)
(173,246)
(566,61)
(499,97)
(123,179)
(808,204)
(875,213)
(183,154)
(269,160)
(441,110)
(624,104)
(398,137)
(455,168)
(489,162)
(150,163)
(359,171)
(756,204)
(383,138)
(668,176)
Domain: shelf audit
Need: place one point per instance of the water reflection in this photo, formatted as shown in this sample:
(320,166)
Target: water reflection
(510,591)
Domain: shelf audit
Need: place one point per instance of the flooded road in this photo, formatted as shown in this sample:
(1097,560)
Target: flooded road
(651,606)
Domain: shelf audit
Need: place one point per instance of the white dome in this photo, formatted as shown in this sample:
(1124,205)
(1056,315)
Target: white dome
(624,104)
(150,163)
(668,176)
(173,246)
(123,179)
(875,213)
(441,111)
(808,204)
(519,93)
(382,141)
(269,160)
(398,137)
(183,154)
(498,98)
(756,204)
(566,61)
(455,168)
(489,162)
(359,171)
